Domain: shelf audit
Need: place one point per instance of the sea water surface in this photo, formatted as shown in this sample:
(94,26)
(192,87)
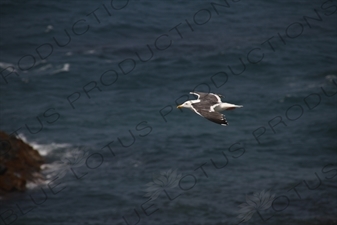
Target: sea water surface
(94,85)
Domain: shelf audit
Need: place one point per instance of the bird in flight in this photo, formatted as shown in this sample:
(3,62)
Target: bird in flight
(209,106)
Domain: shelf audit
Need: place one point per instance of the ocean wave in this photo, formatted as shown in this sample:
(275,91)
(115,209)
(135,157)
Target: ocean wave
(65,68)
(44,149)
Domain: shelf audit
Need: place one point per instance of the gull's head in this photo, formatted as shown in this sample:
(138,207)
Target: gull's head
(187,104)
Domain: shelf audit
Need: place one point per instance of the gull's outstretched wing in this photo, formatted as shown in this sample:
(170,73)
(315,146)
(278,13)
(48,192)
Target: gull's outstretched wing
(205,110)
(208,97)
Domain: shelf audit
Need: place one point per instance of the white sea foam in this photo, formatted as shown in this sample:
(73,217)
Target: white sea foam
(331,77)
(44,149)
(43,68)
(90,52)
(71,158)
(65,68)
(49,28)
(4,66)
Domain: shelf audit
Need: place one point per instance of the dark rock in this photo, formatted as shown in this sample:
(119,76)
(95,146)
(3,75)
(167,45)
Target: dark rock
(19,163)
(3,169)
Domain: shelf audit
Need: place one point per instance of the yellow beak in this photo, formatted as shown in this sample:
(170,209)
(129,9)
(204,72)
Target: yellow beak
(179,106)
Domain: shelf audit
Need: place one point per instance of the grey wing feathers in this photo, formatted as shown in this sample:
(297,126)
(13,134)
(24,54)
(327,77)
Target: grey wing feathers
(203,109)
(217,117)
(209,97)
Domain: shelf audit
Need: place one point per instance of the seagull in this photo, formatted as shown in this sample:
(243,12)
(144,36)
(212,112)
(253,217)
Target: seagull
(209,106)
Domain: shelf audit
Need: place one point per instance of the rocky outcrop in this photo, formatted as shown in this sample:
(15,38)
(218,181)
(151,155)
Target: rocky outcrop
(19,163)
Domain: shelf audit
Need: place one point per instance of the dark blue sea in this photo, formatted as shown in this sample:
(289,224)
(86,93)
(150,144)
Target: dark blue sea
(94,85)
